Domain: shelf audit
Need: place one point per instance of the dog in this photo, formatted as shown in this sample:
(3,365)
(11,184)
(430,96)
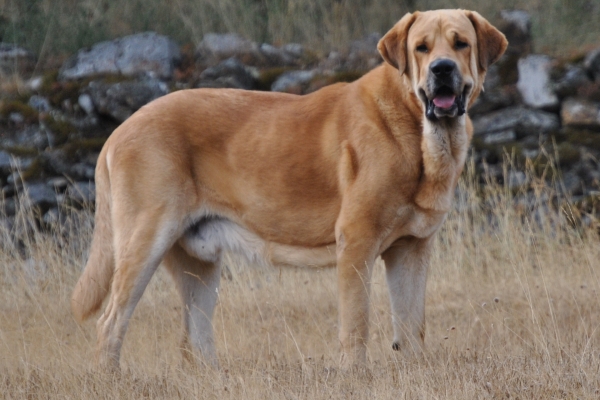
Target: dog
(337,177)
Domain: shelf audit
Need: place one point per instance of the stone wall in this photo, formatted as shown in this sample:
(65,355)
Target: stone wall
(53,125)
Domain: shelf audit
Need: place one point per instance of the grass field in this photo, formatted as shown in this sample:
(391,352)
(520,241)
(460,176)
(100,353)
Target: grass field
(513,311)
(55,28)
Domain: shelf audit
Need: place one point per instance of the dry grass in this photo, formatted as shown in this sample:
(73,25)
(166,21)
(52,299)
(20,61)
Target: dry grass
(512,311)
(54,28)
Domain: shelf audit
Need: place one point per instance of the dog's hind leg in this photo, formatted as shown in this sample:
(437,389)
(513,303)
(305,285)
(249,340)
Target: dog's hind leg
(198,283)
(406,265)
(141,240)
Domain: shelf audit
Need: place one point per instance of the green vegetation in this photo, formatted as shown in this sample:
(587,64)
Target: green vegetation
(29,114)
(52,28)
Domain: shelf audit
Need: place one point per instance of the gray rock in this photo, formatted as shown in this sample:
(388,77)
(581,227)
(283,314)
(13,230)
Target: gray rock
(516,179)
(569,82)
(91,158)
(588,171)
(534,82)
(39,103)
(57,161)
(6,162)
(293,81)
(86,103)
(287,55)
(592,63)
(363,54)
(229,74)
(492,100)
(505,136)
(520,119)
(216,47)
(35,83)
(493,172)
(15,59)
(15,168)
(32,138)
(82,171)
(82,192)
(142,53)
(580,113)
(531,153)
(360,56)
(58,183)
(7,191)
(516,25)
(51,217)
(571,183)
(8,208)
(16,118)
(518,19)
(89,123)
(14,178)
(493,80)
(333,61)
(39,194)
(293,49)
(224,44)
(120,100)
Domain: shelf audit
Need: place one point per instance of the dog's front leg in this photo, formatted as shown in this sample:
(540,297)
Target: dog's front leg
(406,263)
(355,259)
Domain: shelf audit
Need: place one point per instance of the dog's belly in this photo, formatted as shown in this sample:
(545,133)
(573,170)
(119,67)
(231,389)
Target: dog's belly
(211,236)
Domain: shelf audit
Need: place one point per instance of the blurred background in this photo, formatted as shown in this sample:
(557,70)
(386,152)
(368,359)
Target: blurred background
(53,27)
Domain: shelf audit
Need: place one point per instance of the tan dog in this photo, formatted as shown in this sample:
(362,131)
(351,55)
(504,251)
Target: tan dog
(337,177)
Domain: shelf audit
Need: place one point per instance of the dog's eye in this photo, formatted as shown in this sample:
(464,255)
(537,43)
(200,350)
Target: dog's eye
(422,48)
(461,45)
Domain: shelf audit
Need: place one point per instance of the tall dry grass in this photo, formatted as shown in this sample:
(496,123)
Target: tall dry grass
(53,28)
(512,312)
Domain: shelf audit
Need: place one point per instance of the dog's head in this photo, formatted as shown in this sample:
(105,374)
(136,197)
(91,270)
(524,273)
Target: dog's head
(445,54)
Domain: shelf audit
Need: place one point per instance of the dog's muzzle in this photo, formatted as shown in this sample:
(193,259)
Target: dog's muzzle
(445,96)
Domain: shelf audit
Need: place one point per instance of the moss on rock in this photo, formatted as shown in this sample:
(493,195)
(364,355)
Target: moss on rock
(62,129)
(268,76)
(583,137)
(568,154)
(75,148)
(29,114)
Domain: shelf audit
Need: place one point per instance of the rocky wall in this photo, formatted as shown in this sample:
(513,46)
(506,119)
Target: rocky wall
(53,124)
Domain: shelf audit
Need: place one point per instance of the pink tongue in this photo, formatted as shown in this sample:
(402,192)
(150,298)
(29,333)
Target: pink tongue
(444,101)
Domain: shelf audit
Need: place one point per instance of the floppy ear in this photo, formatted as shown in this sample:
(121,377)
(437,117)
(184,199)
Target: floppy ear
(491,43)
(392,46)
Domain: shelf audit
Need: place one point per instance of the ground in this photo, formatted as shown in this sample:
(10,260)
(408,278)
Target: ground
(512,312)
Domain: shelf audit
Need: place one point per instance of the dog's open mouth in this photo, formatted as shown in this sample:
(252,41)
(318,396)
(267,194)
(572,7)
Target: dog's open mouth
(444,99)
(444,103)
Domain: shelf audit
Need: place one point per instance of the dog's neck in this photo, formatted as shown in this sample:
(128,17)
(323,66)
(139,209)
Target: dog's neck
(444,146)
(444,142)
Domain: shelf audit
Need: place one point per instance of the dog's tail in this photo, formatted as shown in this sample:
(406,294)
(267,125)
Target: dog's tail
(94,283)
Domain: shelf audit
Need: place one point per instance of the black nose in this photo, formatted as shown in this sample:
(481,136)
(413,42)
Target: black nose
(442,68)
